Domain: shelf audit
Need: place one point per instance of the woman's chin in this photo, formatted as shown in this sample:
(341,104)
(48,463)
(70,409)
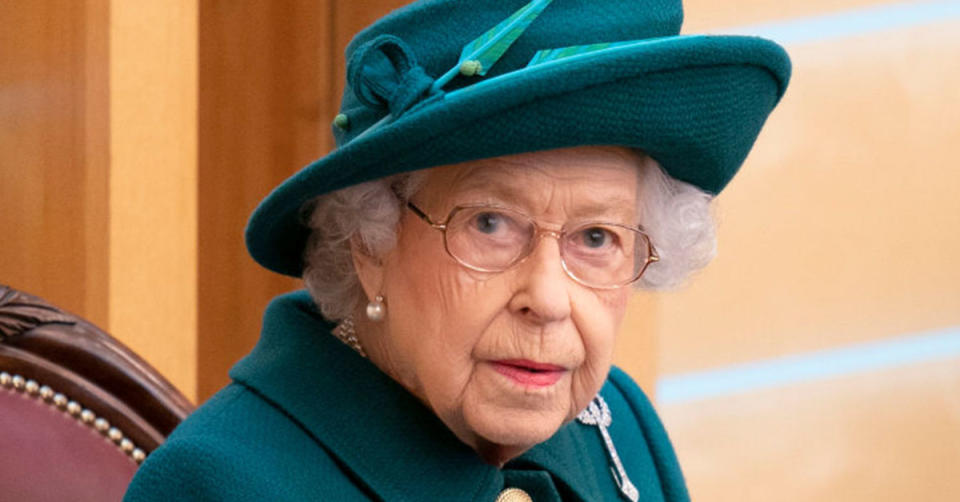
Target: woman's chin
(502,434)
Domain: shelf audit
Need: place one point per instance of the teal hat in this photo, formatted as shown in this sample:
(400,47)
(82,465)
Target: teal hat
(445,81)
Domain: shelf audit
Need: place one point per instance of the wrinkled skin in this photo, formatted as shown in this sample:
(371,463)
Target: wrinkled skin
(446,325)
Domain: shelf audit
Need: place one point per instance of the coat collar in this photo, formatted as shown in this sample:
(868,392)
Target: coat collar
(383,434)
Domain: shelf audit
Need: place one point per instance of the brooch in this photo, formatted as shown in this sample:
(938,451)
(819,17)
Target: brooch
(598,414)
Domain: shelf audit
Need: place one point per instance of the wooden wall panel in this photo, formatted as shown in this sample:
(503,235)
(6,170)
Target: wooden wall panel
(264,113)
(153,184)
(52,165)
(98,167)
(96,141)
(271,74)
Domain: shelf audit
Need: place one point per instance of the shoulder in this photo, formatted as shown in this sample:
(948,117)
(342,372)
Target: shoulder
(637,427)
(238,446)
(182,469)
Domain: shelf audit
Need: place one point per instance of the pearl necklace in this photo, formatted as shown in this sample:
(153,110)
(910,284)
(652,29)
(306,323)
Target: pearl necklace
(347,334)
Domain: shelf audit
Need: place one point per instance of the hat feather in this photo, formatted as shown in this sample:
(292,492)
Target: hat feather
(484,51)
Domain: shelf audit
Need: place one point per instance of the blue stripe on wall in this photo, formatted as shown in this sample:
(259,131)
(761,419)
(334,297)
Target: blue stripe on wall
(932,346)
(852,22)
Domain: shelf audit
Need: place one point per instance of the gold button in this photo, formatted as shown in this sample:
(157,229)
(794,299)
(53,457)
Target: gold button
(514,495)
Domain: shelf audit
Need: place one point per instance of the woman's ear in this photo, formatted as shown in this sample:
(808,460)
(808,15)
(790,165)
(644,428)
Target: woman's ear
(369,269)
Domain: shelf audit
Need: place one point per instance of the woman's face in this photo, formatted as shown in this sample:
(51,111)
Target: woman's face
(504,359)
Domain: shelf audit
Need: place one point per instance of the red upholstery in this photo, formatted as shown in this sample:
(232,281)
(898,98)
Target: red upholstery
(48,455)
(78,410)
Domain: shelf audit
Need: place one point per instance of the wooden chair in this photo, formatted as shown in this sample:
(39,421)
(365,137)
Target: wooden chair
(78,410)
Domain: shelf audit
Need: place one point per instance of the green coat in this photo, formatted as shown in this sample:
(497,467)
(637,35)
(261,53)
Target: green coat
(306,418)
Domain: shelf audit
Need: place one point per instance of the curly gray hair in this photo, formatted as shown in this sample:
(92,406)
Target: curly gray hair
(676,215)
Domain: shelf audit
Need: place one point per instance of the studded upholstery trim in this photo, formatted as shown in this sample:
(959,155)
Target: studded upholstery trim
(86,416)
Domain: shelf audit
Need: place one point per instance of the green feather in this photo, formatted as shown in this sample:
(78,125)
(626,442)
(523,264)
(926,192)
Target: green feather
(483,52)
(489,47)
(565,52)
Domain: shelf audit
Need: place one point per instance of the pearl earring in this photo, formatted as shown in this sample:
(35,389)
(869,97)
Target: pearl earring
(376,310)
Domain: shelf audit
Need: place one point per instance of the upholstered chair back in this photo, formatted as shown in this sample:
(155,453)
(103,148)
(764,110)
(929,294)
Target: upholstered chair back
(78,410)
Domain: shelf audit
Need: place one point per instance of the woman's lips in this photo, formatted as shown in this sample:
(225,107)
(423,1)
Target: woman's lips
(529,373)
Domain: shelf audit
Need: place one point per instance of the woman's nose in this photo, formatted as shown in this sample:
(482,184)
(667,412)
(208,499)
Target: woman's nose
(542,286)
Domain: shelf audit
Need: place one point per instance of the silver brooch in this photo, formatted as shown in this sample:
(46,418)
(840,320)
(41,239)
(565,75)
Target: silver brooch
(598,413)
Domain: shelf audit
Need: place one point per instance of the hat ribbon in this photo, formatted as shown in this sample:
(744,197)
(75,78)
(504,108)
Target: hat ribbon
(384,73)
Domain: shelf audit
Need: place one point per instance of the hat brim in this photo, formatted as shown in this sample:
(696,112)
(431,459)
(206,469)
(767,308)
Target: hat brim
(694,103)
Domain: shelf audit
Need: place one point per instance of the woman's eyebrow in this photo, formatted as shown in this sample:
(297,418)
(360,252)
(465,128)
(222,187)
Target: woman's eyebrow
(489,185)
(606,207)
(613,210)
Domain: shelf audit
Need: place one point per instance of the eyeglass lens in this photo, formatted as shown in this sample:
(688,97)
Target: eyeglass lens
(494,239)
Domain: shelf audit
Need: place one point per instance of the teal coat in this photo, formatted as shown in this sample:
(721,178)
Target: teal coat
(306,418)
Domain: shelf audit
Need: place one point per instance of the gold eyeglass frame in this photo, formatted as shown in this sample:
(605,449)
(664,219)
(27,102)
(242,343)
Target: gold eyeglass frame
(652,255)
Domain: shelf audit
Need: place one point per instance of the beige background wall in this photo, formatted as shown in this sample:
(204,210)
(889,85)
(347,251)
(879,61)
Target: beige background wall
(136,137)
(842,231)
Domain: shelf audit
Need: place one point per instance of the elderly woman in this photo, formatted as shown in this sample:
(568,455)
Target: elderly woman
(502,178)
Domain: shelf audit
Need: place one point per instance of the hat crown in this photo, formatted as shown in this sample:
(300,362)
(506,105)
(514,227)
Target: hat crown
(434,32)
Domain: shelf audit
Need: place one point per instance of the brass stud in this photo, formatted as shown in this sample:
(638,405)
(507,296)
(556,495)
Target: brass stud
(101,425)
(74,408)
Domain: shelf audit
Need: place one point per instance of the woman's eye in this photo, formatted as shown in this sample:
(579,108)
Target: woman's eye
(488,223)
(595,237)
(492,222)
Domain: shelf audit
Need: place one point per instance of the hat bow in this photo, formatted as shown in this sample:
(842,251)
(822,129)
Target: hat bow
(384,73)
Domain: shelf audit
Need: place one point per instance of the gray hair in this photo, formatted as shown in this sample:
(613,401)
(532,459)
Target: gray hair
(676,215)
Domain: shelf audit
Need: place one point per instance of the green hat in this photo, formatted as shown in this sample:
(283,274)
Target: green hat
(446,81)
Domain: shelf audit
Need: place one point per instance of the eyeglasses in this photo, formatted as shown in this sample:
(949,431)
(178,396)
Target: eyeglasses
(489,238)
